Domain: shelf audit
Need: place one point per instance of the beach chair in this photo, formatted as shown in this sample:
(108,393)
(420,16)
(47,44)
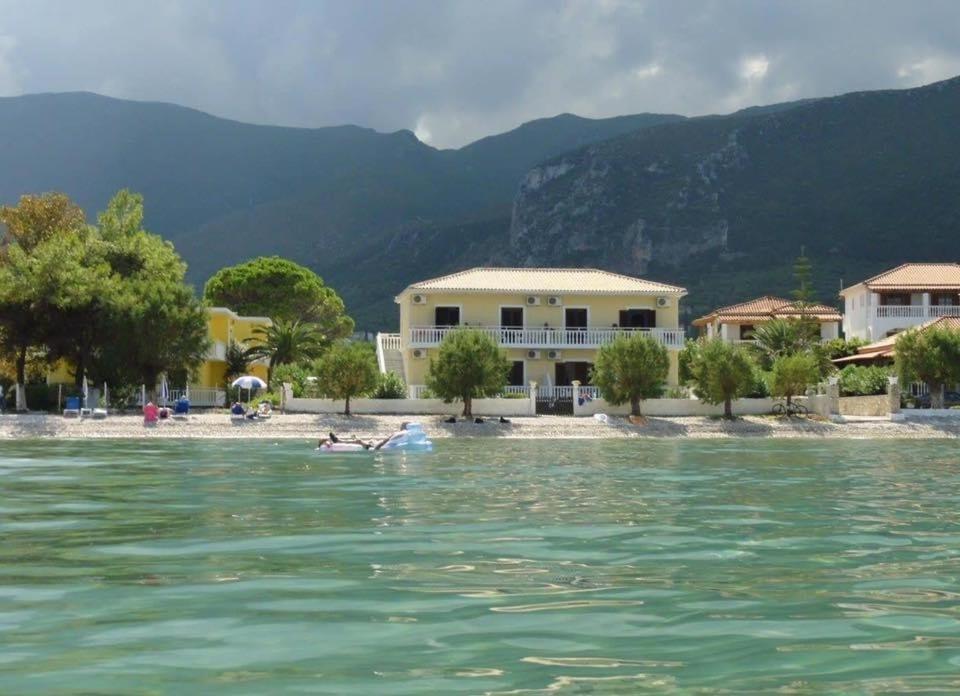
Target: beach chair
(72,409)
(181,408)
(99,413)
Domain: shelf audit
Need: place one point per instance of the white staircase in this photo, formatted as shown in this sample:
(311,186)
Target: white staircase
(389,355)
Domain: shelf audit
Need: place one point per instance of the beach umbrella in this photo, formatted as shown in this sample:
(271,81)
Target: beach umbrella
(86,391)
(164,390)
(106,395)
(248,382)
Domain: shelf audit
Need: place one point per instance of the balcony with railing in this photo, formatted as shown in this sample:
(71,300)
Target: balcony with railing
(917,311)
(546,337)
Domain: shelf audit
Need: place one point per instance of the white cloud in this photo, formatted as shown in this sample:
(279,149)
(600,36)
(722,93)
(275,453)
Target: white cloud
(458,70)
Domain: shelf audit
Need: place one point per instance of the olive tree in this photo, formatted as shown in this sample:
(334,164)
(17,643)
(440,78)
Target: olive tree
(930,355)
(631,369)
(721,372)
(792,374)
(346,370)
(469,366)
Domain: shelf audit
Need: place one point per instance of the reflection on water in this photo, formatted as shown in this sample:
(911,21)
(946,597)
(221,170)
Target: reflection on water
(527,567)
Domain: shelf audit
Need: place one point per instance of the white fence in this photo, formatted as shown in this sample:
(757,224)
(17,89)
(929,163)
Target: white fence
(592,337)
(917,311)
(417,391)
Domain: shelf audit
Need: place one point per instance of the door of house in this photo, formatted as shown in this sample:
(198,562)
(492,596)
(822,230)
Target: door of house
(575,322)
(566,372)
(515,378)
(511,324)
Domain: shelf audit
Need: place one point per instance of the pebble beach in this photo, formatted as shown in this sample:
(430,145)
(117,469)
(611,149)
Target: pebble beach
(312,426)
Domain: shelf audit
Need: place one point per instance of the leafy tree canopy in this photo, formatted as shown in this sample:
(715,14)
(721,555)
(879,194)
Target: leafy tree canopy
(470,366)
(932,356)
(285,342)
(721,372)
(280,289)
(631,369)
(792,374)
(346,370)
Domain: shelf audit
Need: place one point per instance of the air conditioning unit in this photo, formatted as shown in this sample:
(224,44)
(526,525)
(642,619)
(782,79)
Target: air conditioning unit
(419,299)
(419,353)
(533,300)
(533,355)
(553,355)
(554,301)
(663,302)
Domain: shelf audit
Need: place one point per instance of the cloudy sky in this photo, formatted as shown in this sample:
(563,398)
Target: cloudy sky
(455,71)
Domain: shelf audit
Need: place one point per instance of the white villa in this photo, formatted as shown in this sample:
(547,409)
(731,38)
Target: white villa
(736,323)
(901,298)
(550,321)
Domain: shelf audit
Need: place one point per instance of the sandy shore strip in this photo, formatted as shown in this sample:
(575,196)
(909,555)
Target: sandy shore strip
(310,427)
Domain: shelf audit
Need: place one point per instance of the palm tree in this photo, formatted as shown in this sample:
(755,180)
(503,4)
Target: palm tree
(780,337)
(285,342)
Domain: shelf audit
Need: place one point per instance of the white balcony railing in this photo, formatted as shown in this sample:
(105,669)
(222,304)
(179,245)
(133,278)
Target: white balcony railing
(427,336)
(917,311)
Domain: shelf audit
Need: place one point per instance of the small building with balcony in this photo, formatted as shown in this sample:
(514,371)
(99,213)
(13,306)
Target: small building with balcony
(550,321)
(736,323)
(906,296)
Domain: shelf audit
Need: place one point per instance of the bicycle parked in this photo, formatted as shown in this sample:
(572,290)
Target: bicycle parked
(791,409)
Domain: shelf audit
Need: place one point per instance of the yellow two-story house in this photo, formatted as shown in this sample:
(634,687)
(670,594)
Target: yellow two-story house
(550,321)
(206,385)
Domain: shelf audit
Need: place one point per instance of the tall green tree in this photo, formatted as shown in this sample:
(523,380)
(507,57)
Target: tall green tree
(931,356)
(274,287)
(721,372)
(285,342)
(155,323)
(631,369)
(792,374)
(41,275)
(470,365)
(347,370)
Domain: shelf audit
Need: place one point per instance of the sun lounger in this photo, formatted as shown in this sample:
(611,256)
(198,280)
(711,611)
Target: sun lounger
(99,413)
(72,409)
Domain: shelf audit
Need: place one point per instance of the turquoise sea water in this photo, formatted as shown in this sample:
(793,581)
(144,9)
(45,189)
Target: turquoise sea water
(502,567)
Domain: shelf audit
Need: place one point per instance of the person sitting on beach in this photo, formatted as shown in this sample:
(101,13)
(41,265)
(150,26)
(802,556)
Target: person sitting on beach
(237,409)
(265,409)
(150,413)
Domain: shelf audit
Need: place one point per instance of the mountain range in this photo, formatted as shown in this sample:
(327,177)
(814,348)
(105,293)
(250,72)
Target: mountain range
(720,204)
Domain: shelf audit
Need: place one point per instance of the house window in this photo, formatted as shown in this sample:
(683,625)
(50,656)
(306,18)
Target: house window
(944,299)
(446,316)
(638,318)
(566,372)
(511,317)
(746,332)
(515,378)
(575,318)
(896,300)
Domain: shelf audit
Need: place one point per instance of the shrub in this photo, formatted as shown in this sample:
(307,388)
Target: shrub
(863,380)
(297,374)
(932,356)
(389,386)
(631,369)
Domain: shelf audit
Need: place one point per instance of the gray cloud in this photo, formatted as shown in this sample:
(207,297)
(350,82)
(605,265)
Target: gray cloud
(456,71)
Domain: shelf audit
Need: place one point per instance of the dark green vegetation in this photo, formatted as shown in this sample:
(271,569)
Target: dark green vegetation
(109,299)
(719,204)
(931,356)
(721,372)
(631,369)
(282,290)
(470,365)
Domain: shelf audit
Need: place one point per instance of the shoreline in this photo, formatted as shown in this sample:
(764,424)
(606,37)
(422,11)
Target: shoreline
(312,426)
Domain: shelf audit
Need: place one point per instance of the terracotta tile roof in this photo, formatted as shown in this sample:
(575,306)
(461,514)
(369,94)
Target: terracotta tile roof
(767,308)
(916,276)
(547,281)
(885,347)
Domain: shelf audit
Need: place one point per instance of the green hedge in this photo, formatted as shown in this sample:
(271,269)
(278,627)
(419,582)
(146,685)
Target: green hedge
(863,380)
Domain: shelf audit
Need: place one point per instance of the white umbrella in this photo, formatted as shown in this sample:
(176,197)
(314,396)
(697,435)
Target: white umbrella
(248,382)
(164,390)
(86,391)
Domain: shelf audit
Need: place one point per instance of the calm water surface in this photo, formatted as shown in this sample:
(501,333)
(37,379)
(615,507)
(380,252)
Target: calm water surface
(501,567)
